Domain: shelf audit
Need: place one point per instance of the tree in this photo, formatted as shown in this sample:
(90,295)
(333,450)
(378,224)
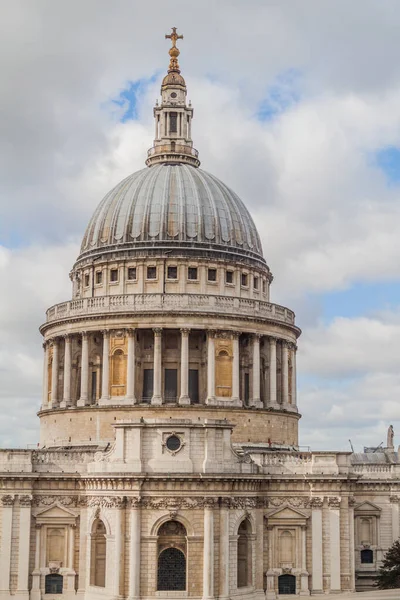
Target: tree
(389,573)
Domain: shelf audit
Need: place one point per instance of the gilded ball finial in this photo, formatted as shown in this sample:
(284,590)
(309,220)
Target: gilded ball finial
(174,51)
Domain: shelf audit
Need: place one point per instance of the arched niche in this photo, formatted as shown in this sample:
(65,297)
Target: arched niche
(98,554)
(244,555)
(171,556)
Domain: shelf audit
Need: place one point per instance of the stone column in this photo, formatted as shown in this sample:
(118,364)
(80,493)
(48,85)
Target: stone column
(66,401)
(271,573)
(256,399)
(130,374)
(394,501)
(334,543)
(351,545)
(45,399)
(84,398)
(259,553)
(184,397)
(272,373)
(134,551)
(345,545)
(236,369)
(294,377)
(84,547)
(70,577)
(210,367)
(157,367)
(7,502)
(24,536)
(316,533)
(224,587)
(117,549)
(208,556)
(285,374)
(54,375)
(304,591)
(35,591)
(105,379)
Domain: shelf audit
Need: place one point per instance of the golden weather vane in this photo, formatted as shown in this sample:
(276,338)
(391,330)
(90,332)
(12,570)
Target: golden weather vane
(174,51)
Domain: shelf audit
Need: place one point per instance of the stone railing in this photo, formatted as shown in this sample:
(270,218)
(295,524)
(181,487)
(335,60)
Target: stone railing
(165,303)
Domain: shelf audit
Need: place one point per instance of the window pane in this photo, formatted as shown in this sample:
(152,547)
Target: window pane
(212,274)
(131,273)
(151,272)
(229,277)
(192,273)
(244,279)
(173,122)
(99,276)
(172,273)
(114,275)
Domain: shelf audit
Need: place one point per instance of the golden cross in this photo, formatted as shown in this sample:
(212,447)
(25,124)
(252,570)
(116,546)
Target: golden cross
(173,37)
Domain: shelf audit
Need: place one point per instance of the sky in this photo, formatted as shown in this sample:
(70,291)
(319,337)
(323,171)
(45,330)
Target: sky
(296,108)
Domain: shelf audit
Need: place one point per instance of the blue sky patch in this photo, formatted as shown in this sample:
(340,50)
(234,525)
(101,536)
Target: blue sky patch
(128,97)
(360,299)
(388,160)
(281,95)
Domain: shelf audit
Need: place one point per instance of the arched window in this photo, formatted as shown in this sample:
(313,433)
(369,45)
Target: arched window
(53,584)
(367,556)
(244,558)
(171,567)
(98,554)
(118,377)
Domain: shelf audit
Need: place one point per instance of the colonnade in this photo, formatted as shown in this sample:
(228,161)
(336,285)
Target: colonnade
(286,370)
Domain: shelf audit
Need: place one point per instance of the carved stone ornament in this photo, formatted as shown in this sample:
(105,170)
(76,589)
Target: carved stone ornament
(175,503)
(133,502)
(243,503)
(334,502)
(106,501)
(315,502)
(352,501)
(7,500)
(295,501)
(394,499)
(25,500)
(68,501)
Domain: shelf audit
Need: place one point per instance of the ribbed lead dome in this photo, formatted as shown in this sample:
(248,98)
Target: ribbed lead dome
(172,204)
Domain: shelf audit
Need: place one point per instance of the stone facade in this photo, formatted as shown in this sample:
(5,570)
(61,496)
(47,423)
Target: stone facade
(169,463)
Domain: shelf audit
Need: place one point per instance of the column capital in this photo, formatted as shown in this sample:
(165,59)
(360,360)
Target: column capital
(334,502)
(7,499)
(272,339)
(66,337)
(185,331)
(105,332)
(236,334)
(54,341)
(394,499)
(44,346)
(315,502)
(84,334)
(131,331)
(257,336)
(211,333)
(25,500)
(157,330)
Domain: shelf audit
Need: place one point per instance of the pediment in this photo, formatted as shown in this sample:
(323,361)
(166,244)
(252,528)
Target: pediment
(287,512)
(367,507)
(55,513)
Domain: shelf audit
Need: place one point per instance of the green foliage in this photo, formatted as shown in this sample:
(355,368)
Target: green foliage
(389,573)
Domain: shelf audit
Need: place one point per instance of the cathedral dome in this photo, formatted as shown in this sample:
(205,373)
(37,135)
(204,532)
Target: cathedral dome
(172,205)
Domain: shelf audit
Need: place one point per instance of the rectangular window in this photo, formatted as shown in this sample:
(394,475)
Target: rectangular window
(86,280)
(173,122)
(131,273)
(212,274)
(114,275)
(148,384)
(264,286)
(172,273)
(229,277)
(255,283)
(151,272)
(192,272)
(244,279)
(99,276)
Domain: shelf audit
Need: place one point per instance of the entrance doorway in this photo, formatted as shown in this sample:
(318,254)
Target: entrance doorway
(287,584)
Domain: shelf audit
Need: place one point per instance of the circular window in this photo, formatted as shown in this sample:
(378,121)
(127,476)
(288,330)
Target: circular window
(173,443)
(174,95)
